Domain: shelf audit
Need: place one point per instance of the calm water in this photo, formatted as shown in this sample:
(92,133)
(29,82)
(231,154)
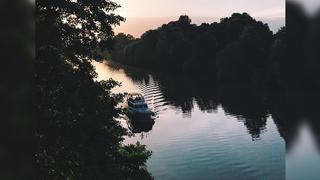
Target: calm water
(303,159)
(202,132)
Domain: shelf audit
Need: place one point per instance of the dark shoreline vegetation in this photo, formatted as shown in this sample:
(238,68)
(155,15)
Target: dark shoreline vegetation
(77,134)
(237,50)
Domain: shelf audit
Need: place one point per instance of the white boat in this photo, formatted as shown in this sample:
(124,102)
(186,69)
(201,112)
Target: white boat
(137,107)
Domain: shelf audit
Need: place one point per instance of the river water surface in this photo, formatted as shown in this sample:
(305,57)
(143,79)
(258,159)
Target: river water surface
(200,132)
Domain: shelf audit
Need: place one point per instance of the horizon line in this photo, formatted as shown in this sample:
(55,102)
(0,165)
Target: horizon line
(140,17)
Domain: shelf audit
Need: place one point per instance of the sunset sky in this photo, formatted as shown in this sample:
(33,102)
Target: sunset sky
(140,12)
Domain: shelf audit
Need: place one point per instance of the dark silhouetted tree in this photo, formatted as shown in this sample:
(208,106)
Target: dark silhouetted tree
(77,134)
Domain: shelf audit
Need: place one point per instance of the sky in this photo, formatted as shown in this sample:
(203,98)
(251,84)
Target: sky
(140,12)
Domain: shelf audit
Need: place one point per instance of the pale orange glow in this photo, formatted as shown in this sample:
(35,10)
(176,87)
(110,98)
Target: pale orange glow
(143,15)
(203,8)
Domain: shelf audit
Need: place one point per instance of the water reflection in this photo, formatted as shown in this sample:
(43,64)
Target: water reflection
(288,110)
(137,126)
(303,156)
(183,93)
(198,99)
(248,106)
(292,110)
(203,131)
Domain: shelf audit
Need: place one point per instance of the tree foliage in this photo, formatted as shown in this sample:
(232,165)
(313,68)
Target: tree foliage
(208,49)
(77,134)
(238,49)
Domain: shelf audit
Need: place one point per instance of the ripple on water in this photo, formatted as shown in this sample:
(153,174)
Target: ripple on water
(153,95)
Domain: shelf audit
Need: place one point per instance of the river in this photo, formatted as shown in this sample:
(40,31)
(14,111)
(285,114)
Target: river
(203,132)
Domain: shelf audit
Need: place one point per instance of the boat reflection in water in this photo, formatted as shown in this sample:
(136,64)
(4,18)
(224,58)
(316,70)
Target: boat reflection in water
(137,126)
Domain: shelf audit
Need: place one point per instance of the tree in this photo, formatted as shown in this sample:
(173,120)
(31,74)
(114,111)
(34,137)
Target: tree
(184,20)
(120,44)
(77,134)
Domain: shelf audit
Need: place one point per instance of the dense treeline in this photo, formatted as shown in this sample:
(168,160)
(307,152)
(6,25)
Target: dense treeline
(234,46)
(238,49)
(77,135)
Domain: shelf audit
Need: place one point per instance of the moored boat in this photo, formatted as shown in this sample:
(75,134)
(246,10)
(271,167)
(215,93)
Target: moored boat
(137,107)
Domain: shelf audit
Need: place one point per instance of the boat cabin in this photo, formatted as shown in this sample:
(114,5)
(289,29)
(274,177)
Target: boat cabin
(137,101)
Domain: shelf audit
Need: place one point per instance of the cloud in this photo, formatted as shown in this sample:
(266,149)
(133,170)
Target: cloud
(275,12)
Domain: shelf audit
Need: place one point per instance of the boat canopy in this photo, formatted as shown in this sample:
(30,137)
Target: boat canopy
(136,97)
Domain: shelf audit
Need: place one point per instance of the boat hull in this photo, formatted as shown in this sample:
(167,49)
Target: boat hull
(138,114)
